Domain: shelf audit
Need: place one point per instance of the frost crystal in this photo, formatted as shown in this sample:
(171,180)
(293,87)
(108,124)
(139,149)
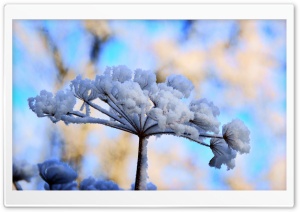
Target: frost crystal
(53,107)
(223,154)
(205,115)
(120,73)
(181,84)
(84,89)
(236,135)
(146,79)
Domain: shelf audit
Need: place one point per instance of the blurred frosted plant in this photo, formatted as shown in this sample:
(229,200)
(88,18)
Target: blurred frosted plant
(139,105)
(56,172)
(92,184)
(23,171)
(150,186)
(64,186)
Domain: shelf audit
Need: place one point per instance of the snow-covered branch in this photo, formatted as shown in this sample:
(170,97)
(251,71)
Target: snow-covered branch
(91,120)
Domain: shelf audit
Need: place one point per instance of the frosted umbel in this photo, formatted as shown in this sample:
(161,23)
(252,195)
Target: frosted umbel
(141,106)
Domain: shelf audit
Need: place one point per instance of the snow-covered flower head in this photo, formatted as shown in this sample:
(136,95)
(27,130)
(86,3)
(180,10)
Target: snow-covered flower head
(205,115)
(93,184)
(130,97)
(181,84)
(146,79)
(136,103)
(103,84)
(119,73)
(236,135)
(84,89)
(56,172)
(23,171)
(53,107)
(223,154)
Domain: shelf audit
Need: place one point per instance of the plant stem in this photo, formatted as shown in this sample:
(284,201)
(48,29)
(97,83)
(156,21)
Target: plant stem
(142,165)
(18,186)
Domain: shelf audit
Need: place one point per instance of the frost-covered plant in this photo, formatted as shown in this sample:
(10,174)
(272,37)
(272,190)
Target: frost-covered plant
(22,171)
(223,154)
(64,186)
(139,105)
(58,175)
(93,184)
(150,186)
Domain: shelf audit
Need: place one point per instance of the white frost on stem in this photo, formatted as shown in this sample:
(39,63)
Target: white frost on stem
(141,106)
(142,166)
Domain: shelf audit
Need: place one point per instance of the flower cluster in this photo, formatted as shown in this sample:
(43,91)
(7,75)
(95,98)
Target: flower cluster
(53,107)
(223,154)
(236,134)
(235,139)
(137,104)
(141,106)
(93,184)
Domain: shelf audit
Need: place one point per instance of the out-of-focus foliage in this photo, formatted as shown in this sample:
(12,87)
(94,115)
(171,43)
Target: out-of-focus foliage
(239,65)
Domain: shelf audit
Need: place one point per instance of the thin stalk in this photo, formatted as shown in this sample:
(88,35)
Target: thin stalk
(124,114)
(154,125)
(145,123)
(18,186)
(210,136)
(141,168)
(184,136)
(102,110)
(91,120)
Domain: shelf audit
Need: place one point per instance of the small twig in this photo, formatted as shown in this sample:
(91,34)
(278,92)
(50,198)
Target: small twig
(92,120)
(18,186)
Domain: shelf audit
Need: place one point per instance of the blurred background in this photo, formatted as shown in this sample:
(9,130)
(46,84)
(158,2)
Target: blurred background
(240,65)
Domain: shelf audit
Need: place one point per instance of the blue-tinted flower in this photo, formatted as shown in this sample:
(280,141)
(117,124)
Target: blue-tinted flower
(150,186)
(223,154)
(88,184)
(92,184)
(64,186)
(56,172)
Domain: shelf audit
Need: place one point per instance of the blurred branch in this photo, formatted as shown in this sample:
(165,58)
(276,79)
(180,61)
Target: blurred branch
(57,58)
